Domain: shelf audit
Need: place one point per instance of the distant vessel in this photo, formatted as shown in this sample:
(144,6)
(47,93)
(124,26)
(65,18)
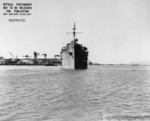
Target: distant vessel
(74,55)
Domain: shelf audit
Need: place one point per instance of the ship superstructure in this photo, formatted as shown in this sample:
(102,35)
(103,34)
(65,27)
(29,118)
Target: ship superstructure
(74,55)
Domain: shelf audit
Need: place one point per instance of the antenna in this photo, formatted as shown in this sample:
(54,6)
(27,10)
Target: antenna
(74,32)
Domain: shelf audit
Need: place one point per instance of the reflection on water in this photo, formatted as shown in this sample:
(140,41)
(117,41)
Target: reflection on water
(38,93)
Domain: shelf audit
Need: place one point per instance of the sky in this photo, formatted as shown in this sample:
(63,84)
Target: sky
(114,31)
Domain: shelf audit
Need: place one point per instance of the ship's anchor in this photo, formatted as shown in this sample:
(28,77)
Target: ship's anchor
(70,53)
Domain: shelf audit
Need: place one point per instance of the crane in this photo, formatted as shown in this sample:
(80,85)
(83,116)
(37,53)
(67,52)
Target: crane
(14,60)
(45,55)
(36,55)
(26,56)
(13,57)
(56,55)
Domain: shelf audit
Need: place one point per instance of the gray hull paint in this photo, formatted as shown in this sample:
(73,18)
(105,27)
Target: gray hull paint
(68,58)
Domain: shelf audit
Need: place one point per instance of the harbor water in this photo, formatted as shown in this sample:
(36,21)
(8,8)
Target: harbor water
(50,93)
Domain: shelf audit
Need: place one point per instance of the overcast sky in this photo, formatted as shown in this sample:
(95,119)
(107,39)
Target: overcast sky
(114,31)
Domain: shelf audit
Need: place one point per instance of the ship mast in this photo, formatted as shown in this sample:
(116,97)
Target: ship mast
(74,32)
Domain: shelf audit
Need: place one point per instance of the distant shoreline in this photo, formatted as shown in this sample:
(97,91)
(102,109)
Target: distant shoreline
(101,65)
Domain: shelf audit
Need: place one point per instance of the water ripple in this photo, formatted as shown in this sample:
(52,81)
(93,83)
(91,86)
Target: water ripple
(53,94)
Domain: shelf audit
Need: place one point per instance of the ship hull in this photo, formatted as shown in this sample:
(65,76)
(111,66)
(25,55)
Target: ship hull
(68,58)
(74,56)
(81,57)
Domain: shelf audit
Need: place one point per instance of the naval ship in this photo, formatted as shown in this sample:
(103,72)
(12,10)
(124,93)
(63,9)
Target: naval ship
(74,55)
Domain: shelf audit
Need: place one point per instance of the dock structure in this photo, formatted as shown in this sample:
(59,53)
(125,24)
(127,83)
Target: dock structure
(2,60)
(31,61)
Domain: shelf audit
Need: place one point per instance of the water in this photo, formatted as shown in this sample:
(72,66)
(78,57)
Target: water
(39,93)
